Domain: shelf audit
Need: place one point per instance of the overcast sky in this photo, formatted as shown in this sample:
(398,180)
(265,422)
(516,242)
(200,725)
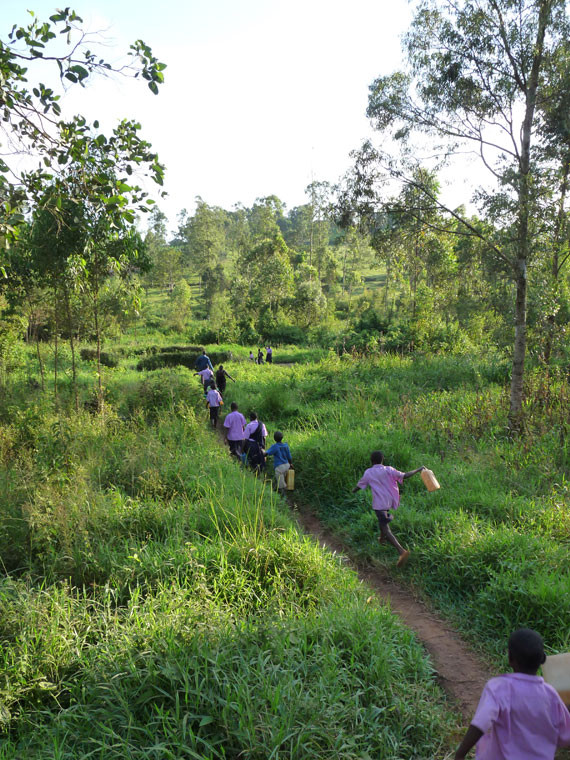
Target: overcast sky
(261,96)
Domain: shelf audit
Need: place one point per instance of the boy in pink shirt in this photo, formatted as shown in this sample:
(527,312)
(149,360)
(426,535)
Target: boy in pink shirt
(383,482)
(519,716)
(234,425)
(214,401)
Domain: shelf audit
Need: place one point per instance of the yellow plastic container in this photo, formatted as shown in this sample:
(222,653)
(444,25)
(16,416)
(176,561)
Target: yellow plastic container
(556,672)
(430,481)
(290,479)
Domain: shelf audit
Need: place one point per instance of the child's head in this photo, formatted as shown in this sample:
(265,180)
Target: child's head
(252,416)
(526,651)
(234,406)
(277,436)
(220,367)
(213,387)
(377,457)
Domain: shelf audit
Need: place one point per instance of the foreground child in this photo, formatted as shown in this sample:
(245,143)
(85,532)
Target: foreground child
(281,459)
(519,715)
(383,482)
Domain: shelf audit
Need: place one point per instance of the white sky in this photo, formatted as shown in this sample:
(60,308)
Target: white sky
(261,96)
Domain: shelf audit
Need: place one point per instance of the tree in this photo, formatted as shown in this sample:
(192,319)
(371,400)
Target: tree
(31,113)
(478,72)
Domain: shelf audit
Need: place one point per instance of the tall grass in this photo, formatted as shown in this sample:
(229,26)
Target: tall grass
(491,547)
(158,602)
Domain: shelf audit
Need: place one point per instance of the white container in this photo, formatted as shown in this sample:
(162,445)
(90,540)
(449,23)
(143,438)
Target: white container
(290,479)
(556,672)
(430,481)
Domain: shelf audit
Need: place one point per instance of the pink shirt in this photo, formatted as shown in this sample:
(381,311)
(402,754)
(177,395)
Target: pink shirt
(383,482)
(235,422)
(213,397)
(522,718)
(206,374)
(251,427)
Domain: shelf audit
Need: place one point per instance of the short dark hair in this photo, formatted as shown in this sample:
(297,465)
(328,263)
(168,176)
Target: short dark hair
(221,366)
(278,436)
(526,648)
(213,386)
(252,415)
(377,457)
(234,406)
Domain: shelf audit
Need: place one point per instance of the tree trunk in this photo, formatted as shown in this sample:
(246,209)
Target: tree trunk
(517,377)
(40,360)
(72,346)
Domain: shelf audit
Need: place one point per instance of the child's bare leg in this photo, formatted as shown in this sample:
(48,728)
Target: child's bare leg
(387,535)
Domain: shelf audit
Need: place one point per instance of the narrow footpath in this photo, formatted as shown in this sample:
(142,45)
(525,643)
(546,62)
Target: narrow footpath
(460,672)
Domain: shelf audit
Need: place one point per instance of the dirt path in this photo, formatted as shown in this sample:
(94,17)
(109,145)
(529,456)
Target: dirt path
(459,671)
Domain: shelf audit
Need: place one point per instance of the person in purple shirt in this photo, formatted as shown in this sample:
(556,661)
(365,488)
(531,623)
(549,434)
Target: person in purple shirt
(519,716)
(206,377)
(234,435)
(214,400)
(383,482)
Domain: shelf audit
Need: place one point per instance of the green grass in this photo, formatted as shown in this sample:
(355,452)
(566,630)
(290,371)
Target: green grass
(491,547)
(158,602)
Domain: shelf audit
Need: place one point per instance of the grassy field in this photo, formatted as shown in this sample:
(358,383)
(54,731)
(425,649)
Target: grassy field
(491,547)
(158,602)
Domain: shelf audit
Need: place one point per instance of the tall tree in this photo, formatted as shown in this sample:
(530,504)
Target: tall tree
(478,71)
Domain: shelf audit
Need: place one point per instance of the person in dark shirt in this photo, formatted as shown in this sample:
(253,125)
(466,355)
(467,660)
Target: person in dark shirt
(221,375)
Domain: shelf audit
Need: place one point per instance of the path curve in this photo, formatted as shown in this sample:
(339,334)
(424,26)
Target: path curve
(460,672)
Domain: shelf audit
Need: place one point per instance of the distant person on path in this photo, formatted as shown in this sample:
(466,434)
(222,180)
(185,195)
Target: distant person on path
(383,482)
(269,355)
(206,377)
(234,435)
(214,400)
(251,356)
(203,361)
(221,375)
(255,434)
(260,356)
(519,715)
(281,459)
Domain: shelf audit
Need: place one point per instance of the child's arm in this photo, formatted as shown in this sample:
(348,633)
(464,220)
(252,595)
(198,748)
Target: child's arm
(413,472)
(472,736)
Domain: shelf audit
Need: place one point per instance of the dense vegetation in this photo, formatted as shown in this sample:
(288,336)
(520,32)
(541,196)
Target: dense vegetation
(491,547)
(157,601)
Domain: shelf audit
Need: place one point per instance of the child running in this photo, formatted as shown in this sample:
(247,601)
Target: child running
(383,482)
(281,459)
(214,400)
(519,716)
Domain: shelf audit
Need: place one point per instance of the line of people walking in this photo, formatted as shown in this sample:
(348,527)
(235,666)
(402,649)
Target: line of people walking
(246,441)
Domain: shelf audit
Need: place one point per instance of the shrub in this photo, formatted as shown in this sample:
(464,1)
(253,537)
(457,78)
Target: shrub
(180,359)
(106,359)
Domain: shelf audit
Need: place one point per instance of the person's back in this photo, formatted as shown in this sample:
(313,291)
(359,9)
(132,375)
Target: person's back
(526,715)
(519,716)
(202,362)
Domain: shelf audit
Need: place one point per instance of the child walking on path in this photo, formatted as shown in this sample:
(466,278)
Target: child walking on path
(214,402)
(234,425)
(519,715)
(383,482)
(281,459)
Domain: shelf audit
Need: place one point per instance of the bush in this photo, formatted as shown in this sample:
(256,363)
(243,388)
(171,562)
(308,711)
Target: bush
(106,359)
(180,359)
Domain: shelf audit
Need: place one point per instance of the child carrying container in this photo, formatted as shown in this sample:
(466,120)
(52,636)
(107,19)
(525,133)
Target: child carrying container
(281,459)
(383,482)
(214,401)
(519,715)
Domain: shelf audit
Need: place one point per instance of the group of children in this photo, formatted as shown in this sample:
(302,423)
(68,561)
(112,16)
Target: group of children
(519,716)
(246,440)
(259,358)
